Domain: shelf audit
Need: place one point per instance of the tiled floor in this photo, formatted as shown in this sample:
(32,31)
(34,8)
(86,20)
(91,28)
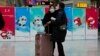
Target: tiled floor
(71,48)
(82,48)
(17,49)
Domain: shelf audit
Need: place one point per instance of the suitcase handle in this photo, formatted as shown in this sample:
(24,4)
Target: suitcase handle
(47,25)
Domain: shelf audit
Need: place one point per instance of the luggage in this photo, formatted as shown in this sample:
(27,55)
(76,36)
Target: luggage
(43,45)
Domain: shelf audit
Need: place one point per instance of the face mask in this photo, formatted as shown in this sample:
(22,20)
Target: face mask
(52,10)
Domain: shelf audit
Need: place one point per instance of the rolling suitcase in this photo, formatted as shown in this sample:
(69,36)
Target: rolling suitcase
(43,45)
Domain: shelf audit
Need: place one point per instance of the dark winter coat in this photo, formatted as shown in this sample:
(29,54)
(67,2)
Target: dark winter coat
(1,22)
(99,25)
(59,34)
(47,18)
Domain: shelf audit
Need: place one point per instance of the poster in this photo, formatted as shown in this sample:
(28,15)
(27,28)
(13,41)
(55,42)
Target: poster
(31,2)
(68,11)
(91,23)
(8,31)
(22,23)
(36,15)
(78,23)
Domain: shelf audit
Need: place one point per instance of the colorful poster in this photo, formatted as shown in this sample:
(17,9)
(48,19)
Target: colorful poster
(68,11)
(8,31)
(91,23)
(22,22)
(36,14)
(31,2)
(78,23)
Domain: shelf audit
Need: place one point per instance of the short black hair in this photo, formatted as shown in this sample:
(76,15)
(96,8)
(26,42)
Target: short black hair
(62,5)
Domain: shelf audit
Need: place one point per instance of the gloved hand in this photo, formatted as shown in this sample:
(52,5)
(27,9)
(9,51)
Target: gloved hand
(52,18)
(47,23)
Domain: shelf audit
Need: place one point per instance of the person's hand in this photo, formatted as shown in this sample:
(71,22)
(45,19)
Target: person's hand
(52,18)
(49,22)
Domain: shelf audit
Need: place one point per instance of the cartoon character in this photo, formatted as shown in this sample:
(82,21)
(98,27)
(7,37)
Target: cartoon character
(3,34)
(9,34)
(37,21)
(90,22)
(38,26)
(6,35)
(77,21)
(22,21)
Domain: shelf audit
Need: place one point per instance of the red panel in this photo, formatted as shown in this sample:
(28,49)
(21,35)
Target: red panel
(46,9)
(8,16)
(92,18)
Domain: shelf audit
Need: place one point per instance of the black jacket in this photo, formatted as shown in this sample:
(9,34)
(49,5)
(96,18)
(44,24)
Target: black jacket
(47,18)
(2,23)
(58,34)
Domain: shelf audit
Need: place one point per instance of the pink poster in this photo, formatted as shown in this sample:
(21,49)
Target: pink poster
(8,32)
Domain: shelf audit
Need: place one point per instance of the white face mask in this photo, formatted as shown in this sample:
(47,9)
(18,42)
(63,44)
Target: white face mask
(52,10)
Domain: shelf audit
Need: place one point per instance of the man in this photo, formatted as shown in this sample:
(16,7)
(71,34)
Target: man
(59,23)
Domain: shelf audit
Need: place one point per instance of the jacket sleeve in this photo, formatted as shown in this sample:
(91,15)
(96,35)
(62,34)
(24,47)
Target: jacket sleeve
(60,19)
(44,21)
(2,23)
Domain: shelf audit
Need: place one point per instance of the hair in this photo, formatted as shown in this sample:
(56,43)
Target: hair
(62,5)
(51,6)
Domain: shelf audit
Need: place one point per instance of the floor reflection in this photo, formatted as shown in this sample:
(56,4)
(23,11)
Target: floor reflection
(7,49)
(17,49)
(71,48)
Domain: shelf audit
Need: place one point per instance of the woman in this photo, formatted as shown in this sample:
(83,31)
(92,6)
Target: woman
(1,22)
(47,19)
(59,28)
